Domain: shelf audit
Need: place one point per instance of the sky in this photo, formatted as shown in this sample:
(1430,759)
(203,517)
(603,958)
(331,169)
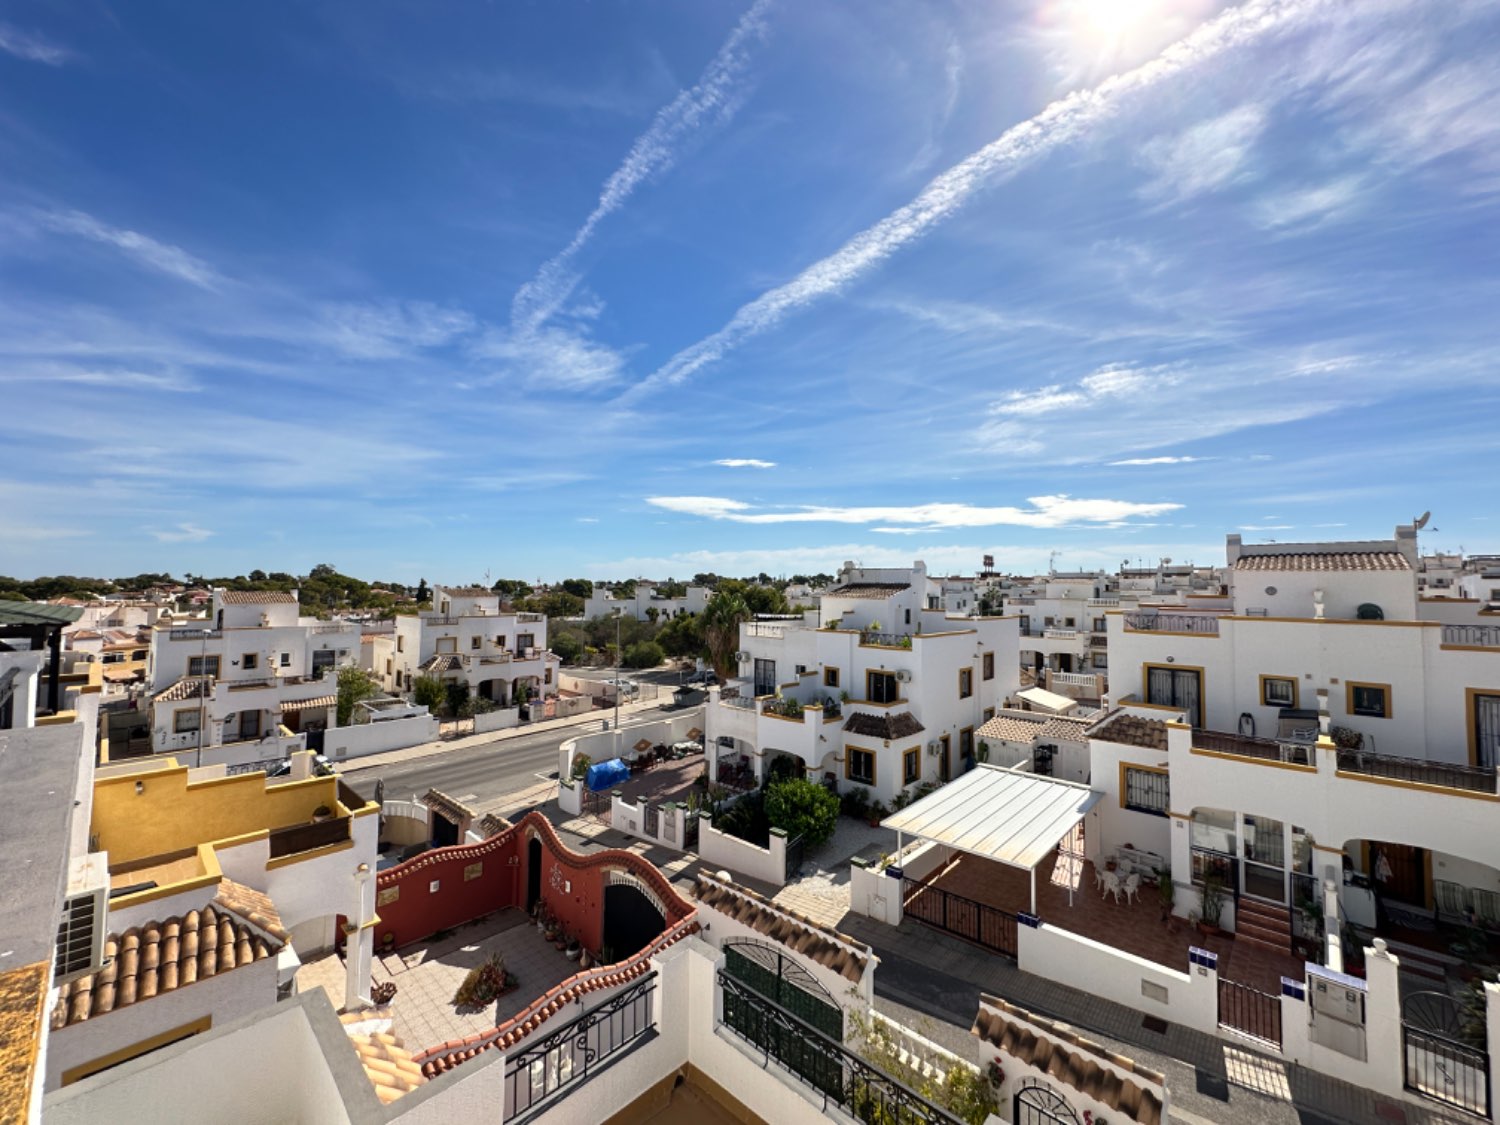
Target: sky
(560,288)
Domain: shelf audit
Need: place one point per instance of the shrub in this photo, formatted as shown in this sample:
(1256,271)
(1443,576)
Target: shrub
(456,695)
(782,768)
(746,819)
(581,764)
(428,692)
(802,808)
(855,802)
(643,654)
(484,983)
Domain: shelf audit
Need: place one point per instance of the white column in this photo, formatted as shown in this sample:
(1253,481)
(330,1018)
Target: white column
(359,944)
(1383,1021)
(1492,1011)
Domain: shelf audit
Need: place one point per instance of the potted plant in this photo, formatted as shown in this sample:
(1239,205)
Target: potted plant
(876,814)
(1213,903)
(1347,738)
(984,750)
(573,950)
(322,813)
(1166,891)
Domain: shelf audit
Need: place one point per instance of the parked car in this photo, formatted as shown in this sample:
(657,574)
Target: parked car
(322,767)
(707,678)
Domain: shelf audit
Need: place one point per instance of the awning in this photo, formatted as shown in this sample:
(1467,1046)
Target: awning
(1046,700)
(998,814)
(318,704)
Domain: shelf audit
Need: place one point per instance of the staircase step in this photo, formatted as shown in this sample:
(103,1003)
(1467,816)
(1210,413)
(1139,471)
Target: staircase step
(1282,948)
(1247,927)
(1277,914)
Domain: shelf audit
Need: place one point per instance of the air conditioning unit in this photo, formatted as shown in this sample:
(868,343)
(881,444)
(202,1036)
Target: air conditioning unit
(903,676)
(741,657)
(80,933)
(934,748)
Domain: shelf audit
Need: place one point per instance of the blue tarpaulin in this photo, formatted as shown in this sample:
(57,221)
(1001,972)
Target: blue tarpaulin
(606,775)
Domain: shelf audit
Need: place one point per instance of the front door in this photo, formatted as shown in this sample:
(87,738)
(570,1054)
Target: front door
(1177,687)
(533,872)
(1486,720)
(765,677)
(945,766)
(1399,872)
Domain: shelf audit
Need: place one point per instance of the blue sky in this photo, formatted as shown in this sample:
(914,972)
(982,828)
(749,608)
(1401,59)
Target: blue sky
(546,289)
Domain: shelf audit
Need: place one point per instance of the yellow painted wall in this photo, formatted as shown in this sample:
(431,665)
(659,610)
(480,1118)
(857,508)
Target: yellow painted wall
(171,815)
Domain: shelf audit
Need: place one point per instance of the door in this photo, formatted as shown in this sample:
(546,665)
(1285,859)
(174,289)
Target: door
(765,677)
(1403,875)
(1177,687)
(1486,719)
(533,872)
(945,766)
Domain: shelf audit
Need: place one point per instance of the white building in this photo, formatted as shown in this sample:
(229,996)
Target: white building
(467,638)
(252,672)
(602,603)
(885,694)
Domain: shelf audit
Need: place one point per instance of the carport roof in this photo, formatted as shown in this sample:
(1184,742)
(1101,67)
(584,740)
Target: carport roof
(998,814)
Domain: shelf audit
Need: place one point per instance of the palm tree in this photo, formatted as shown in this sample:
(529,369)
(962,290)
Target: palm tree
(721,630)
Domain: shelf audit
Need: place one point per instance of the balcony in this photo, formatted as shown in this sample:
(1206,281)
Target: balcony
(1473,779)
(1105,603)
(885,640)
(1264,749)
(1186,623)
(335,627)
(732,697)
(1054,633)
(1472,636)
(194,634)
(308,837)
(766,630)
(530,618)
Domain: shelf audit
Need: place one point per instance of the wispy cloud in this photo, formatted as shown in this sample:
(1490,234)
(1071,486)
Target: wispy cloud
(37,534)
(745,463)
(183,533)
(714,98)
(388,329)
(1204,158)
(1266,527)
(1308,207)
(144,250)
(1060,123)
(1112,380)
(1160,460)
(1045,511)
(32,47)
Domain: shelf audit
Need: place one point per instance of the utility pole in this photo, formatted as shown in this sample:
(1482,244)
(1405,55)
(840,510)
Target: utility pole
(617,680)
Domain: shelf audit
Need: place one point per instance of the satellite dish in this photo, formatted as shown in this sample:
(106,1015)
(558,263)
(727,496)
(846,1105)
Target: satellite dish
(1421,521)
(1166,561)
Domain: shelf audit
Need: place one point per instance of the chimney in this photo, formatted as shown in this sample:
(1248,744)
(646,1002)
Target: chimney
(1232,545)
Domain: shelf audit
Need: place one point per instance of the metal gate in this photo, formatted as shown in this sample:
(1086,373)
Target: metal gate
(1040,1105)
(596,805)
(794,852)
(1443,1059)
(1250,1011)
(783,981)
(651,820)
(978,922)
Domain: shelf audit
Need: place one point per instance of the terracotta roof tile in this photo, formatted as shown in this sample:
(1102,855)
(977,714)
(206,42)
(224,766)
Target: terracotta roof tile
(159,957)
(257,597)
(253,906)
(317,704)
(875,590)
(1133,730)
(1330,560)
(1008,728)
(388,1064)
(442,662)
(817,943)
(889,727)
(1082,1068)
(189,687)
(492,824)
(440,802)
(1064,729)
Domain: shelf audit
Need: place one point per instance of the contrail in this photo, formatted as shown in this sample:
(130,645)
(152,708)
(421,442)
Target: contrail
(1058,124)
(654,151)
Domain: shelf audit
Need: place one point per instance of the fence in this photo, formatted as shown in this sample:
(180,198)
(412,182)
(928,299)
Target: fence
(540,1071)
(1478,779)
(974,921)
(1172,623)
(306,837)
(1250,1011)
(1446,1070)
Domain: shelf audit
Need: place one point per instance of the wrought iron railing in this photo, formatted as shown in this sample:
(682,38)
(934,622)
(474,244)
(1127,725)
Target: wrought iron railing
(540,1070)
(1198,623)
(1250,1011)
(1446,1070)
(1244,746)
(1472,904)
(193,634)
(1479,636)
(886,640)
(1475,779)
(843,1079)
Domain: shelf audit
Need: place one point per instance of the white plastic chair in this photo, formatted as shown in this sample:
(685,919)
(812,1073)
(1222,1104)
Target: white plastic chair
(1132,885)
(1112,884)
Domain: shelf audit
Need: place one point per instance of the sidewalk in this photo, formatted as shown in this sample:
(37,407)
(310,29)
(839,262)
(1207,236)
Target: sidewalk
(935,979)
(429,749)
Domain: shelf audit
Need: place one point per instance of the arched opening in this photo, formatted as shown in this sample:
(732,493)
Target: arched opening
(633,916)
(495,691)
(1040,1105)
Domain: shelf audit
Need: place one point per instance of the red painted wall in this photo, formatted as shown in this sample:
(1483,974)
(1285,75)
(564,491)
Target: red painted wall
(572,886)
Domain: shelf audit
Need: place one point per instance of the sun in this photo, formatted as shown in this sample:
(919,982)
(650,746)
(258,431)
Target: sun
(1107,22)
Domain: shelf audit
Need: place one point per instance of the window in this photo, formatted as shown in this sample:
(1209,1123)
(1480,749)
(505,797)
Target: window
(1049,621)
(400,644)
(1068,621)
(800,669)
(286,660)
(1145,790)
(388,663)
(908,616)
(1101,659)
(186,721)
(989,713)
(989,666)
(945,757)
(1099,625)
(830,677)
(880,687)
(250,661)
(475,641)
(546,675)
(965,683)
(859,765)
(911,765)
(1370,700)
(966,742)
(1278,691)
(203,666)
(765,676)
(447,644)
(249,724)
(525,641)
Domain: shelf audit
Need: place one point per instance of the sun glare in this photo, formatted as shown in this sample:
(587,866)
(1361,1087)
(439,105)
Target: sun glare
(1088,39)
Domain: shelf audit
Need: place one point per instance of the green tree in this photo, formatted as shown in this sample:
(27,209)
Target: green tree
(355,685)
(511,588)
(567,646)
(457,696)
(578,587)
(802,808)
(721,630)
(644,654)
(428,692)
(682,635)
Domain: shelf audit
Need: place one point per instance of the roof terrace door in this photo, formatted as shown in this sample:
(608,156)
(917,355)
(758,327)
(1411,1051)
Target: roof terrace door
(1177,687)
(1486,730)
(765,677)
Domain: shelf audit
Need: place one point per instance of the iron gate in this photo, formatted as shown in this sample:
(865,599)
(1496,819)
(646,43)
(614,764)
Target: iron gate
(778,978)
(1250,1011)
(596,805)
(1040,1105)
(794,851)
(1442,1058)
(651,821)
(974,921)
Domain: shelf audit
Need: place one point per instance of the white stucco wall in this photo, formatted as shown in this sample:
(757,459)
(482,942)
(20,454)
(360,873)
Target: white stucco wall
(340,743)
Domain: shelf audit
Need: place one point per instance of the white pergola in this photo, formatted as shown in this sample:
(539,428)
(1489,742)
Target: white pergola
(998,814)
